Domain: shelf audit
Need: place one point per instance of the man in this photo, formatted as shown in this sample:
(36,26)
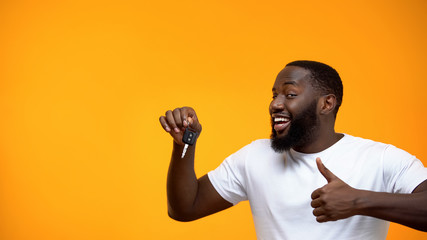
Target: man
(291,193)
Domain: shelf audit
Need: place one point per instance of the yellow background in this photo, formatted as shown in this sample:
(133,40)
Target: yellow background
(82,84)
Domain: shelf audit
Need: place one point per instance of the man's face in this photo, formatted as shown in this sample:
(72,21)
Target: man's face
(293,109)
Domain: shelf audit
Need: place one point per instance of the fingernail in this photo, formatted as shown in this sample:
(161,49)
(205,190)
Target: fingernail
(176,130)
(167,129)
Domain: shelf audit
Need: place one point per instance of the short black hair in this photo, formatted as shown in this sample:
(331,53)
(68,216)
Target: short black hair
(326,79)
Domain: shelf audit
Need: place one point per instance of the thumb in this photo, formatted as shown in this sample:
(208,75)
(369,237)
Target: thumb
(324,171)
(194,124)
(191,123)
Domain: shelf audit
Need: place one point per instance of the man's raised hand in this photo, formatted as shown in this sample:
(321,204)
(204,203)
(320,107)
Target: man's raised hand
(174,122)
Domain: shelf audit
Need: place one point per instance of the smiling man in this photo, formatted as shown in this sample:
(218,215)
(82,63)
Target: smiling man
(291,193)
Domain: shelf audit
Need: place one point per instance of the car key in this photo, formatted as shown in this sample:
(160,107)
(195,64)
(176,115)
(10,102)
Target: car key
(189,138)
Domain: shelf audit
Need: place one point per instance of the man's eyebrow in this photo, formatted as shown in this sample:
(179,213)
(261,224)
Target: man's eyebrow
(290,82)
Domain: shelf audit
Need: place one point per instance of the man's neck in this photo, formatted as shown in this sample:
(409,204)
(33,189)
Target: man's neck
(320,143)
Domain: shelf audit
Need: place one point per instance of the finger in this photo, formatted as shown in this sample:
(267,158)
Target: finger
(318,212)
(324,171)
(164,124)
(322,218)
(177,116)
(316,203)
(315,194)
(171,121)
(184,117)
(192,120)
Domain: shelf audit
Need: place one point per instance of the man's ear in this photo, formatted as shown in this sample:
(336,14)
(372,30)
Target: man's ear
(327,104)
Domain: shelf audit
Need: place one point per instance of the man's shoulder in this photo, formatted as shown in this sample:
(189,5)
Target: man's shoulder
(353,140)
(261,142)
(259,145)
(351,145)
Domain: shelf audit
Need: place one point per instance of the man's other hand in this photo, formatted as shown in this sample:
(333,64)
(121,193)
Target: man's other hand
(336,200)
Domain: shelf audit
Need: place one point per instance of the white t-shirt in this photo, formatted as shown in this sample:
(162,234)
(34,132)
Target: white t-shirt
(279,186)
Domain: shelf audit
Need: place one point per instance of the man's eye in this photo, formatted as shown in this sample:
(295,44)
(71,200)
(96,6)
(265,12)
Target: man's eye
(290,95)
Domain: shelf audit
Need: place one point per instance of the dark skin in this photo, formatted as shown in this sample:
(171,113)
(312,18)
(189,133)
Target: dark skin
(190,198)
(292,93)
(337,200)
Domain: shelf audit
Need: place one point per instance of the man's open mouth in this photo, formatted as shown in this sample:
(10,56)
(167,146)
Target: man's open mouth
(280,123)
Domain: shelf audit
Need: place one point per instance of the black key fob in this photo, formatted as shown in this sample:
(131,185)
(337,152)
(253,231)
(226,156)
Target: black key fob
(189,137)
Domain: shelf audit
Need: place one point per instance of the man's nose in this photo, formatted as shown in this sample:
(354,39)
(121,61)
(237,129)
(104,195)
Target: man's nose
(278,104)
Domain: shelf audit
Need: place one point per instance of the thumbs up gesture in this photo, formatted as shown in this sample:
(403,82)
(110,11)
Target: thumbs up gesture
(336,200)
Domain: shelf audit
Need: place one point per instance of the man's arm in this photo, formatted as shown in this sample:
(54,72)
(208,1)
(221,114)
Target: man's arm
(337,200)
(189,198)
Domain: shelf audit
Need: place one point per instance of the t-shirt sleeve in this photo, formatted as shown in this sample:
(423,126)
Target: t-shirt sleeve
(229,178)
(403,172)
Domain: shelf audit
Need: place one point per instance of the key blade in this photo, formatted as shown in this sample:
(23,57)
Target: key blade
(184,150)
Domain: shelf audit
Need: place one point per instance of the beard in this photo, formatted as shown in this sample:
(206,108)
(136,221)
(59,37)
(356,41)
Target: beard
(301,130)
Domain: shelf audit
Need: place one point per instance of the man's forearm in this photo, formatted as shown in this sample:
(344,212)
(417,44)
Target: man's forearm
(182,183)
(406,209)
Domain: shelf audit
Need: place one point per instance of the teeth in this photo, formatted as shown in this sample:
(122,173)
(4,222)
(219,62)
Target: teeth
(281,119)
